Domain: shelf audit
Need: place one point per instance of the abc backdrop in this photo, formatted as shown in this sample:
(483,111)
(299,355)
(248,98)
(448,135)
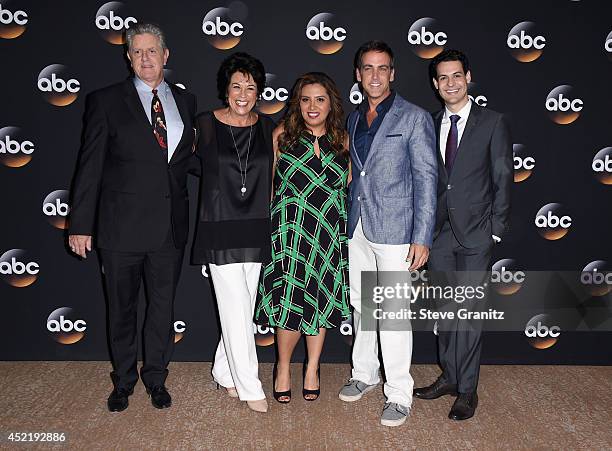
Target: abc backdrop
(546,64)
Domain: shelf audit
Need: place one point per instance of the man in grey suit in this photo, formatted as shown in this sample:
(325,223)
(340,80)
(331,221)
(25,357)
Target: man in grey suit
(391,220)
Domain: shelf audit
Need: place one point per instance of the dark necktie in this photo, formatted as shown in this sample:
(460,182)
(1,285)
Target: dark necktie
(158,121)
(451,143)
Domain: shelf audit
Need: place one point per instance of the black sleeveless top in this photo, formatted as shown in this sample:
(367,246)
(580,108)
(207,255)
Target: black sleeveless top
(232,226)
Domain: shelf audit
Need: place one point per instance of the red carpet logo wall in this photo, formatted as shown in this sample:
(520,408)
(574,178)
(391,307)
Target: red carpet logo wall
(112,19)
(524,42)
(597,277)
(15,148)
(563,105)
(542,332)
(506,279)
(221,28)
(325,34)
(18,269)
(552,222)
(273,97)
(64,326)
(12,21)
(524,163)
(476,96)
(179,330)
(515,68)
(426,38)
(55,208)
(602,165)
(56,85)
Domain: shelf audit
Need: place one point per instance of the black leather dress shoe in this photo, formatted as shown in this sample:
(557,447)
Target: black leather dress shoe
(118,399)
(464,406)
(435,390)
(160,398)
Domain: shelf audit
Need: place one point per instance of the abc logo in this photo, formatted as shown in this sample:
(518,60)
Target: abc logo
(523,163)
(346,330)
(63,326)
(15,150)
(17,269)
(58,89)
(524,43)
(272,99)
(55,208)
(478,99)
(179,330)
(324,36)
(602,165)
(597,278)
(170,77)
(505,278)
(541,332)
(355,96)
(551,222)
(426,38)
(222,30)
(264,335)
(112,21)
(12,22)
(608,46)
(562,105)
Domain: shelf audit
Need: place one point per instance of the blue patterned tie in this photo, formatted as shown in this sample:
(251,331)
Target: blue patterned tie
(451,143)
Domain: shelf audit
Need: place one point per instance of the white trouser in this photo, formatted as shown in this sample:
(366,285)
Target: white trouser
(395,345)
(236,357)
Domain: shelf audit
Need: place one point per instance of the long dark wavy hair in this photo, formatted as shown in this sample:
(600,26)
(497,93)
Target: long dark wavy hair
(294,124)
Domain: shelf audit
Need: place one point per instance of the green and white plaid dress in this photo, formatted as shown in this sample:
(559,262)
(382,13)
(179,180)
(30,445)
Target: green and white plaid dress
(305,285)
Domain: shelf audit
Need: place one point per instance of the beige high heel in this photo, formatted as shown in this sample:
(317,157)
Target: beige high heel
(231,391)
(259,405)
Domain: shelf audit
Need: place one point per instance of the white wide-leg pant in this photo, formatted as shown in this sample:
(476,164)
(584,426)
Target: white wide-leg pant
(236,357)
(395,345)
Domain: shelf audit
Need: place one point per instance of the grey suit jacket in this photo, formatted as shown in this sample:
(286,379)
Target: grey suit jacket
(394,190)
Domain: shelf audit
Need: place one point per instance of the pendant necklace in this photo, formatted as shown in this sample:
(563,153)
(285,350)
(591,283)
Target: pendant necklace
(243,173)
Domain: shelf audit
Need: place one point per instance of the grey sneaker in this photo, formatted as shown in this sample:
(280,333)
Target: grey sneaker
(394,414)
(354,390)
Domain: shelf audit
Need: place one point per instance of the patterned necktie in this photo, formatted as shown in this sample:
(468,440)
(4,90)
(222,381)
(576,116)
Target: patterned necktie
(158,121)
(451,143)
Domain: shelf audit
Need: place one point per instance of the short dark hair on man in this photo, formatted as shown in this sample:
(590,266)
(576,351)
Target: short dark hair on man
(372,46)
(448,55)
(245,64)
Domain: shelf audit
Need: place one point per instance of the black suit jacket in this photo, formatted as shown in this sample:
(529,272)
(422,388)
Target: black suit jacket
(476,195)
(125,193)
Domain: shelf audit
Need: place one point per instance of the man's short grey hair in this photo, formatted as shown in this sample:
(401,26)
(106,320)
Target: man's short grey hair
(142,28)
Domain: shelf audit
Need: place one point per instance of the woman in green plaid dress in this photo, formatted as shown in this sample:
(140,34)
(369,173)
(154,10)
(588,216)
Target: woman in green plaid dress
(304,288)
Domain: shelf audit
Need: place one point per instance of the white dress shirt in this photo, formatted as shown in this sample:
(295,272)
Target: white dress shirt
(174,123)
(463,114)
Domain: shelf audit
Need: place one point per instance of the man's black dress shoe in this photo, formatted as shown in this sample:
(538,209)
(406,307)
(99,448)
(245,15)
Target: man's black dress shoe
(464,406)
(118,399)
(160,398)
(435,390)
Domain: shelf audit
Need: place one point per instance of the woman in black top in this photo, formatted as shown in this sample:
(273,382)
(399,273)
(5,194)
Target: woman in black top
(233,231)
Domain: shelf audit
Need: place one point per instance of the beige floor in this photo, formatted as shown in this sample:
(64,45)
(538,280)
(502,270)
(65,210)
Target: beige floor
(521,407)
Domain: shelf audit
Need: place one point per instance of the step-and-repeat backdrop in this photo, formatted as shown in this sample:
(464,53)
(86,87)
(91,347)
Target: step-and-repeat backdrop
(547,65)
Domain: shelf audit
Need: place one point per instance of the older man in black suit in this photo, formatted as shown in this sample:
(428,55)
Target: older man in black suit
(130,199)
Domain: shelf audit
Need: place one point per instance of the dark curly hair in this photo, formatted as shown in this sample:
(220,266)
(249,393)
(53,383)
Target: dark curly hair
(245,64)
(294,124)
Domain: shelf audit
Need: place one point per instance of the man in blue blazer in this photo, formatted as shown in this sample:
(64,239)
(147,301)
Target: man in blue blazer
(391,219)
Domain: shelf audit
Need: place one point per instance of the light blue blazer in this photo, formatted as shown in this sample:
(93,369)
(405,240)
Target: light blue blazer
(394,190)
